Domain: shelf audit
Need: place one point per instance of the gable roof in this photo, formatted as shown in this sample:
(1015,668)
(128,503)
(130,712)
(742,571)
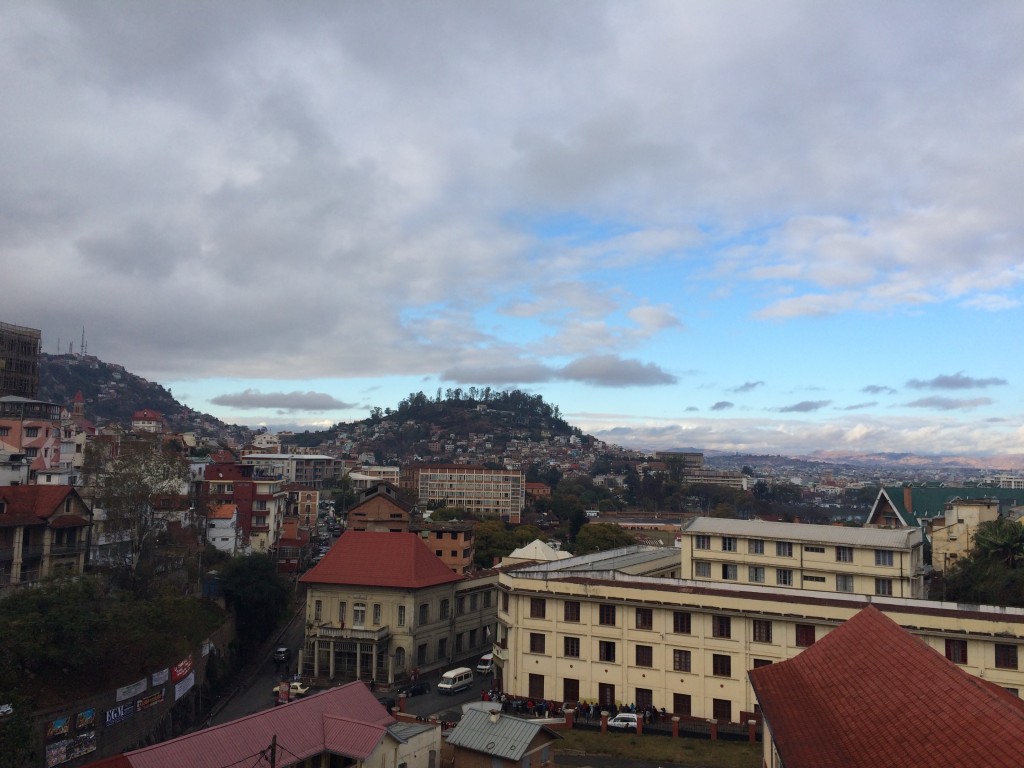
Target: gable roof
(346,720)
(381,559)
(916,504)
(843,703)
(33,504)
(495,734)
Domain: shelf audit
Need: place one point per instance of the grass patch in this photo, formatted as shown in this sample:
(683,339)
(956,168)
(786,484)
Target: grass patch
(661,749)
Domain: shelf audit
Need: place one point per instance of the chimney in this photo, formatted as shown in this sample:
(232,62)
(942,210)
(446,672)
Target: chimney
(908,499)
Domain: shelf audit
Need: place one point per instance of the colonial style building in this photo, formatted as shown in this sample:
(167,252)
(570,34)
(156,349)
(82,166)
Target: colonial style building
(826,558)
(622,627)
(499,493)
(44,531)
(381,605)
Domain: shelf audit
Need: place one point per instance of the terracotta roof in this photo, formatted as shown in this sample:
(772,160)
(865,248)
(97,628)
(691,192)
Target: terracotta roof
(33,501)
(380,558)
(843,703)
(222,511)
(346,720)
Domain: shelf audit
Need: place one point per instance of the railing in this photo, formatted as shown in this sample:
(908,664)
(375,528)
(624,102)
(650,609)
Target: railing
(68,549)
(31,553)
(350,633)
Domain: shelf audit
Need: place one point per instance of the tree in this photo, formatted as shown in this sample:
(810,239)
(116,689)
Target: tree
(492,539)
(257,594)
(137,484)
(599,537)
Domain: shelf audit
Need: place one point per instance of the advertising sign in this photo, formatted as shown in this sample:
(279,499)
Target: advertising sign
(159,678)
(58,727)
(131,691)
(184,686)
(150,701)
(68,749)
(181,669)
(85,719)
(119,713)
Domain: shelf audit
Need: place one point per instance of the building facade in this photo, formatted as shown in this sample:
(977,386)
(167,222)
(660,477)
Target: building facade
(826,558)
(495,493)
(313,470)
(618,628)
(19,360)
(44,531)
(381,606)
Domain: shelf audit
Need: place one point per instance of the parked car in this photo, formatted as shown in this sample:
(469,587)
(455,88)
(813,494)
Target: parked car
(415,689)
(623,720)
(282,653)
(294,690)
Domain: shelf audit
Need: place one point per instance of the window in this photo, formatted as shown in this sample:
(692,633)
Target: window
(401,615)
(5,431)
(844,582)
(605,694)
(460,605)
(815,579)
(783,549)
(460,644)
(721,665)
(755,574)
(606,615)
(445,608)
(359,614)
(536,642)
(606,650)
(728,543)
(538,607)
(442,648)
(376,613)
(424,613)
(1006,656)
(571,647)
(721,626)
(487,594)
(784,577)
(681,622)
(844,554)
(342,611)
(31,431)
(572,611)
(730,571)
(702,542)
(956,651)
(702,570)
(644,656)
(681,704)
(761,663)
(421,654)
(504,601)
(815,549)
(644,699)
(883,586)
(644,618)
(536,686)
(33,452)
(680,660)
(883,557)
(762,631)
(755,546)
(721,710)
(473,600)
(804,635)
(570,689)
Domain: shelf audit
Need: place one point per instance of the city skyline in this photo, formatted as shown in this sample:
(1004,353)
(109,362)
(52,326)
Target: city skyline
(768,228)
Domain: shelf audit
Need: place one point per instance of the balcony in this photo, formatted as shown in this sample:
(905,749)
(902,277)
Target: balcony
(73,548)
(349,633)
(6,553)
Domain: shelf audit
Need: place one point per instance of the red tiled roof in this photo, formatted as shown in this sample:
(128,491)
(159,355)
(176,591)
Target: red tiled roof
(871,694)
(383,559)
(346,720)
(33,501)
(70,521)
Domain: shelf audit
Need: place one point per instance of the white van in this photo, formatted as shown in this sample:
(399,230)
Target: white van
(486,664)
(455,680)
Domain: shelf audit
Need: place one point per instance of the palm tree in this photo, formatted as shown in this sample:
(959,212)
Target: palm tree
(1001,540)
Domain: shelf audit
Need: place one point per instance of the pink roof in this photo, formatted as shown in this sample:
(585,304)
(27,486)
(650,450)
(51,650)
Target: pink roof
(871,694)
(383,559)
(346,720)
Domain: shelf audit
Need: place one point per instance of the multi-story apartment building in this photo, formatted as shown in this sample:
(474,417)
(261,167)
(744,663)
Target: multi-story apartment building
(826,558)
(44,531)
(619,627)
(303,503)
(19,360)
(499,493)
(33,428)
(953,533)
(314,470)
(258,496)
(381,606)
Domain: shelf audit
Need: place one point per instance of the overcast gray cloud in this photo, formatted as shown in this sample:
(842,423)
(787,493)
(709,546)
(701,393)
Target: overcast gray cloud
(805,406)
(722,405)
(593,197)
(949,403)
(284,401)
(955,381)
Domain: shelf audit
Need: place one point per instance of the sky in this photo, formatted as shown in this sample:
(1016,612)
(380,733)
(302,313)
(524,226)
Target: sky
(787,227)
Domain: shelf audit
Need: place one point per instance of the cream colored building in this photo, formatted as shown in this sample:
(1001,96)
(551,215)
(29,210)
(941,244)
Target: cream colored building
(382,606)
(485,492)
(825,558)
(620,627)
(953,537)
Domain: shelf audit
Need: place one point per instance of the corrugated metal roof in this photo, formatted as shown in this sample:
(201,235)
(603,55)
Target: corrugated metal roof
(882,538)
(494,734)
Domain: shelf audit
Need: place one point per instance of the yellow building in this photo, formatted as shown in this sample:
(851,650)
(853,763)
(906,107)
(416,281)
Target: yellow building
(826,558)
(953,533)
(382,606)
(620,627)
(485,492)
